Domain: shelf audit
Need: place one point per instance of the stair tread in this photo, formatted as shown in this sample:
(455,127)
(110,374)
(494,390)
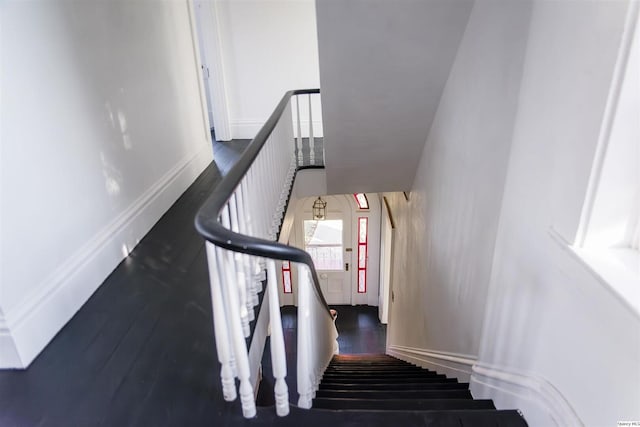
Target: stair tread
(396,394)
(397,387)
(389,380)
(454,417)
(385,418)
(382,404)
(374,368)
(404,377)
(379,390)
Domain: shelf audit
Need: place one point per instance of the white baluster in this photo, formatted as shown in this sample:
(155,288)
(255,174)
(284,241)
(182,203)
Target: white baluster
(278,354)
(230,221)
(252,293)
(299,125)
(230,294)
(223,346)
(312,143)
(241,280)
(305,385)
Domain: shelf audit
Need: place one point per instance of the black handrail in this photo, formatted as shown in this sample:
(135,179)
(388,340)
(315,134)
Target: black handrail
(210,228)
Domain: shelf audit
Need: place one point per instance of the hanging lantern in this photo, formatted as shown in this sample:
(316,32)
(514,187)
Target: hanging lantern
(319,209)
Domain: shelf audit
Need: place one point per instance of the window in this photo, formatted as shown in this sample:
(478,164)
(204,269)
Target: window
(286,277)
(361,200)
(323,241)
(363,224)
(609,233)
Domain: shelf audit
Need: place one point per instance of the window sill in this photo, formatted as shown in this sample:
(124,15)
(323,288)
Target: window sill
(618,267)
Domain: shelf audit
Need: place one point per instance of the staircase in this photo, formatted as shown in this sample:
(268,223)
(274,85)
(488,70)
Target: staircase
(421,397)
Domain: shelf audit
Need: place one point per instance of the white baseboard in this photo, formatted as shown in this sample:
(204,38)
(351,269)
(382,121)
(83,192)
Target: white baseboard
(28,328)
(453,365)
(8,352)
(247,129)
(541,403)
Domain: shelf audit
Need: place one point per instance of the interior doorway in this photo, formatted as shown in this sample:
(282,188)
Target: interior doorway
(328,241)
(199,11)
(345,247)
(208,45)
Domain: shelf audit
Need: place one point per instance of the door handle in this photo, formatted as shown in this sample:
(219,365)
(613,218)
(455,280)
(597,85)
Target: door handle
(346,266)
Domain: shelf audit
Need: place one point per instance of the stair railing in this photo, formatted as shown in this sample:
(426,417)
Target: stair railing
(240,222)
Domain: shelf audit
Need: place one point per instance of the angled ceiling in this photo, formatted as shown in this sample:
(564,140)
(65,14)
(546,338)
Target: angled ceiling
(383,66)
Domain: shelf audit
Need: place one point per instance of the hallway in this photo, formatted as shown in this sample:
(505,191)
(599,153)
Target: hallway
(141,351)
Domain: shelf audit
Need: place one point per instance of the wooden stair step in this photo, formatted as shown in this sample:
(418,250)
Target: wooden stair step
(369,365)
(395,394)
(420,374)
(426,379)
(452,385)
(374,369)
(401,404)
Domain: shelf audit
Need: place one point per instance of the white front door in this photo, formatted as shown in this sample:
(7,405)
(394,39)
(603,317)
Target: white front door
(329,243)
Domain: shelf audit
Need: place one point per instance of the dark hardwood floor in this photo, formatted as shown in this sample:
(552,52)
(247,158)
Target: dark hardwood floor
(141,351)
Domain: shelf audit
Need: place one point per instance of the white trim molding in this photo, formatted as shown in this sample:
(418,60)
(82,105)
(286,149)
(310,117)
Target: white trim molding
(538,399)
(8,352)
(27,328)
(451,364)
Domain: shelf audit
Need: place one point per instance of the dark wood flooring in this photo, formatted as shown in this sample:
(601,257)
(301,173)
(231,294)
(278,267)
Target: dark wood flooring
(141,351)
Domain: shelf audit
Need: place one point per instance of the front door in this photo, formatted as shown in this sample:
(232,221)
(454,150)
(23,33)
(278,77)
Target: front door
(329,243)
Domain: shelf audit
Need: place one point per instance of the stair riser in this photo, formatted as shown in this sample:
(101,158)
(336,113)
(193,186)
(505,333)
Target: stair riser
(402,404)
(388,394)
(382,380)
(370,363)
(380,375)
(375,369)
(397,387)
(376,366)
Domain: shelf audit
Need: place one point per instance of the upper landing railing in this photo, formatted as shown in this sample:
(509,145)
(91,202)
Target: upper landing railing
(241,221)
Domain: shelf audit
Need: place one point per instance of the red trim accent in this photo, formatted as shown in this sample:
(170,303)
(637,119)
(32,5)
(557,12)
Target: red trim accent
(362,246)
(366,200)
(286,271)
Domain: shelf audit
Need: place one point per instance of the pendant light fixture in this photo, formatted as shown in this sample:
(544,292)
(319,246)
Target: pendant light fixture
(319,209)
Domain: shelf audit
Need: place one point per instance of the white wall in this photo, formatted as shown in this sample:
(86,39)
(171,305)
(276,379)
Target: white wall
(482,264)
(551,325)
(445,233)
(102,130)
(384,64)
(268,48)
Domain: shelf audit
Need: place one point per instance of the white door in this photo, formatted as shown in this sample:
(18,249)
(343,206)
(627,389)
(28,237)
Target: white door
(200,12)
(329,243)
